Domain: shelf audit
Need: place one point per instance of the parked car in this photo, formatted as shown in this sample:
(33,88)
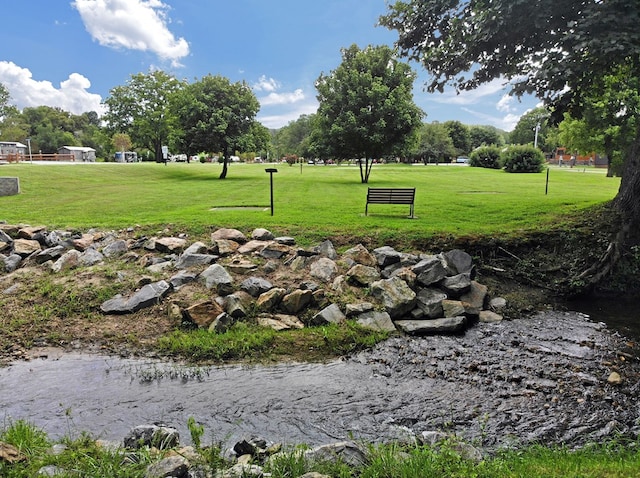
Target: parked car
(462,160)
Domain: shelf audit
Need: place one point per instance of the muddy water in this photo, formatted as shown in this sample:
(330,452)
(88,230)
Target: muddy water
(539,379)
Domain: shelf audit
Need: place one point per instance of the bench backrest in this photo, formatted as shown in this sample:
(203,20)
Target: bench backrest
(391,195)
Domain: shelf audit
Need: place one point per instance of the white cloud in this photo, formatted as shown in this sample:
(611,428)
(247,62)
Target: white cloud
(132,24)
(72,96)
(470,97)
(282,98)
(278,120)
(266,84)
(506,122)
(505,104)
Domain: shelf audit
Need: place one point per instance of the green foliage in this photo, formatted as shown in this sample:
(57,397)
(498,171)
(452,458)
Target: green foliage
(196,431)
(486,157)
(366,106)
(460,136)
(435,144)
(525,130)
(522,159)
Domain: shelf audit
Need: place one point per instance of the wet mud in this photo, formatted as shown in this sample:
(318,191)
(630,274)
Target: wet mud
(541,379)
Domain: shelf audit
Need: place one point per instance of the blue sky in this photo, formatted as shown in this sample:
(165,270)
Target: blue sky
(71,53)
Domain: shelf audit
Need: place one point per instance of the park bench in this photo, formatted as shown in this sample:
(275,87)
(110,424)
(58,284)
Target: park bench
(390,196)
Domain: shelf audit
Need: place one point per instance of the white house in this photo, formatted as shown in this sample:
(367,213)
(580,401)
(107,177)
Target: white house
(81,153)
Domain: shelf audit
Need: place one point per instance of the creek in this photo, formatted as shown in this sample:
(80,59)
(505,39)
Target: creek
(541,379)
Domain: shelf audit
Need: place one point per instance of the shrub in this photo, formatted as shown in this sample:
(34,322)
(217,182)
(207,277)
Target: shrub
(522,159)
(485,157)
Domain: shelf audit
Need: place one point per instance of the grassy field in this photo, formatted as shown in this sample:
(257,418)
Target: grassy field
(312,202)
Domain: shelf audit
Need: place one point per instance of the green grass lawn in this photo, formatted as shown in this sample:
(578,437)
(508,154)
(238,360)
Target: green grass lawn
(309,202)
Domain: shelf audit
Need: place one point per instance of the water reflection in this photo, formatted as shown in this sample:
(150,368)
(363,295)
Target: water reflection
(619,314)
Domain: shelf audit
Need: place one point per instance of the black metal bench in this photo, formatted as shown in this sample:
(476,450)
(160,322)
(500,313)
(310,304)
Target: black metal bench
(391,196)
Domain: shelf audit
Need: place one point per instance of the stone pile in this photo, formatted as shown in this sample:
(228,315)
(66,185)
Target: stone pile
(270,279)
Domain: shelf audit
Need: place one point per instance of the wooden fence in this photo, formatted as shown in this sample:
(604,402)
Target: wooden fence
(15,158)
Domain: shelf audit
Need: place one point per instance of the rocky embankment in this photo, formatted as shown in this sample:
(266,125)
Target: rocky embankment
(269,279)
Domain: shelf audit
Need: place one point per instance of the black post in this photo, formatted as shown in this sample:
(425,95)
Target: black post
(546,187)
(271,171)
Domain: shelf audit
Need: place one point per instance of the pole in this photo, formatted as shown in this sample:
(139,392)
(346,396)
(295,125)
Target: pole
(30,156)
(546,187)
(271,171)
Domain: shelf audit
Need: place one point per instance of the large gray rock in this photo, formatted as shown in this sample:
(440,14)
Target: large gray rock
(175,466)
(196,248)
(50,254)
(270,299)
(147,296)
(216,277)
(376,320)
(429,271)
(329,315)
(474,299)
(261,234)
(363,275)
(396,296)
(434,326)
(170,244)
(25,247)
(182,278)
(229,234)
(158,436)
(69,260)
(458,262)
(386,255)
(296,301)
(324,269)
(189,259)
(237,304)
(91,257)
(12,262)
(360,255)
(326,249)
(347,452)
(254,286)
(280,321)
(429,301)
(116,248)
(456,286)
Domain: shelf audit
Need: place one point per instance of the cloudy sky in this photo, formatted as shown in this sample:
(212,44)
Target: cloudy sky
(69,54)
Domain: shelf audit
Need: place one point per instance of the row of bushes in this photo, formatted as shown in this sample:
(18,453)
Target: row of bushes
(514,159)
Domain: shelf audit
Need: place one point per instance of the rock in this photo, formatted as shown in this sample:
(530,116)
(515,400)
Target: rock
(25,247)
(286,240)
(237,304)
(489,316)
(182,278)
(229,234)
(329,315)
(497,304)
(376,320)
(406,274)
(10,454)
(196,248)
(52,470)
(456,286)
(458,262)
(28,232)
(359,308)
(261,234)
(396,296)
(475,298)
(360,255)
(204,313)
(158,436)
(50,254)
(326,249)
(174,466)
(216,277)
(116,248)
(295,301)
(221,323)
(255,286)
(270,299)
(280,321)
(12,262)
(429,271)
(429,301)
(147,296)
(362,275)
(241,266)
(225,247)
(452,308)
(170,244)
(188,259)
(91,257)
(386,255)
(614,378)
(324,269)
(69,260)
(241,470)
(251,247)
(274,250)
(347,452)
(434,326)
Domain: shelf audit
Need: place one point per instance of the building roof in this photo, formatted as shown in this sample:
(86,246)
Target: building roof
(77,148)
(13,143)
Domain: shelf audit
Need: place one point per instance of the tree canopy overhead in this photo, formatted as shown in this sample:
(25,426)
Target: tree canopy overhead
(366,105)
(561,51)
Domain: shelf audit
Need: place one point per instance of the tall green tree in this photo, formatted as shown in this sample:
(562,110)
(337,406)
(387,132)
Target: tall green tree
(366,106)
(435,145)
(460,136)
(5,99)
(216,115)
(484,135)
(560,51)
(525,129)
(141,108)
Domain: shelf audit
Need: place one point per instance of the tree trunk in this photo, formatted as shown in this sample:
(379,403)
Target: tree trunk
(627,203)
(364,173)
